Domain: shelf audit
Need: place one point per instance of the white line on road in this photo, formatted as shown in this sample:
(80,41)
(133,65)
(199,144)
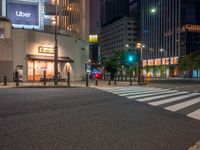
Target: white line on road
(183,104)
(141,92)
(173,99)
(160,96)
(152,94)
(195,114)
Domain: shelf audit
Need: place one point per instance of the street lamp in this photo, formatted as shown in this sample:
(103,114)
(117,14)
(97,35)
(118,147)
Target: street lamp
(153,10)
(140,62)
(161,56)
(56,48)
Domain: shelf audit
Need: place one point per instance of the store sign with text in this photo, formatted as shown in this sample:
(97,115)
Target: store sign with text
(23,13)
(46,50)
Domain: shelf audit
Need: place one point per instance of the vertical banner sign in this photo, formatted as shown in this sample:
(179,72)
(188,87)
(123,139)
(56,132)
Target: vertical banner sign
(23,14)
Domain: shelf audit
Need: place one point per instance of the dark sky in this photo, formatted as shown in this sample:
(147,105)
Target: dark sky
(94,16)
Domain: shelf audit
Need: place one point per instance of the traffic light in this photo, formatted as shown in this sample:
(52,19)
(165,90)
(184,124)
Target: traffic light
(130,58)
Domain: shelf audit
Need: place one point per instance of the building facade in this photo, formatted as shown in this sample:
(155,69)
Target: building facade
(33,38)
(6,54)
(119,36)
(169,29)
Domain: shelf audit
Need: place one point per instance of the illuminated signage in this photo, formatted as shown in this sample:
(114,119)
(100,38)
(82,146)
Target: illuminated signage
(46,50)
(93,38)
(23,13)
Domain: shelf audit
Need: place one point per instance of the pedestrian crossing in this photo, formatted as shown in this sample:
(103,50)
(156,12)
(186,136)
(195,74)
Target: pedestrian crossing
(169,99)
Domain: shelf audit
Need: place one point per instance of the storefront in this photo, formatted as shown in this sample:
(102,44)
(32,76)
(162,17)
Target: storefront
(38,64)
(34,53)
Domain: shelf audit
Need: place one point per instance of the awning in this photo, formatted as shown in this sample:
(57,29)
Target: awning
(48,58)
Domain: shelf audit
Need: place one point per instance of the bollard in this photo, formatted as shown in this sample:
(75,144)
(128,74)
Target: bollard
(109,82)
(5,80)
(87,80)
(68,78)
(17,78)
(45,78)
(96,82)
(115,82)
(131,82)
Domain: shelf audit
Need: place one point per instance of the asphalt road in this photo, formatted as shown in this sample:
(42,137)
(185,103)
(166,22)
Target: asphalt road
(88,119)
(176,84)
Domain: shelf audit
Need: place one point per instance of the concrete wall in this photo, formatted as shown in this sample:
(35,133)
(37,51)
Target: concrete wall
(26,42)
(6,63)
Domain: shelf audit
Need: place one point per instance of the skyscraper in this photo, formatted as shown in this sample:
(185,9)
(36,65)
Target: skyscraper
(169,29)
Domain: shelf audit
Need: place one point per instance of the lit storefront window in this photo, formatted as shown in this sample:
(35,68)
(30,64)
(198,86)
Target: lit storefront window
(36,70)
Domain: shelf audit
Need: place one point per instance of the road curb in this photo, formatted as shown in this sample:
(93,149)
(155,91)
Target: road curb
(196,146)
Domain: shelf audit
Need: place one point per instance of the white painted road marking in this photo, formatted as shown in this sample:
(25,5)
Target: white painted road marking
(173,99)
(195,114)
(144,95)
(183,104)
(160,96)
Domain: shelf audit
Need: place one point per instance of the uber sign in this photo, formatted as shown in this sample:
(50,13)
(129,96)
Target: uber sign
(23,14)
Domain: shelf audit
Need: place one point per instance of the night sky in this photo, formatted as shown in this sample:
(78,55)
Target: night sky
(94,16)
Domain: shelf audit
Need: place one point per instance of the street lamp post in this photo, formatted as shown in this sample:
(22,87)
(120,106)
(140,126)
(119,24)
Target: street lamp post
(56,49)
(140,63)
(161,56)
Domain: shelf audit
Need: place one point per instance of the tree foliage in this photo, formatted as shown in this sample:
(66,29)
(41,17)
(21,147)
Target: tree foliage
(190,62)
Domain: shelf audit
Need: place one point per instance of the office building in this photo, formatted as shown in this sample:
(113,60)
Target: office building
(120,35)
(169,29)
(33,39)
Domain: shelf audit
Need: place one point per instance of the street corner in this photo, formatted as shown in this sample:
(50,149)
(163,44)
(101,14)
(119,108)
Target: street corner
(196,146)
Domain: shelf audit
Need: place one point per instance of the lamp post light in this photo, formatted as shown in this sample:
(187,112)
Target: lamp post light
(56,48)
(161,56)
(140,62)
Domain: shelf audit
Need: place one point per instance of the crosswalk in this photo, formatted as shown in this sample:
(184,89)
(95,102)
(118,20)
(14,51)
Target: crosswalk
(183,102)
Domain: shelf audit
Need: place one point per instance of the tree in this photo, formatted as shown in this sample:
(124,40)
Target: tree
(111,67)
(197,64)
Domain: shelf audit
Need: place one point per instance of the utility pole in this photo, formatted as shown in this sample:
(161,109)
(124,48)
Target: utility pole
(56,49)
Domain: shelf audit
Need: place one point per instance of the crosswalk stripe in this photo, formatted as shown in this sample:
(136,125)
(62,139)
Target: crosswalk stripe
(152,94)
(172,99)
(160,96)
(128,91)
(131,88)
(183,105)
(142,92)
(195,114)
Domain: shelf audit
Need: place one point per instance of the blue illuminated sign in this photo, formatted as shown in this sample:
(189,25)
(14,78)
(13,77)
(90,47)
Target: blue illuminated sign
(23,13)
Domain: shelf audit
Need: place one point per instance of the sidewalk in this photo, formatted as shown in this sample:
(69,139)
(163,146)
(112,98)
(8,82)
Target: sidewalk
(91,83)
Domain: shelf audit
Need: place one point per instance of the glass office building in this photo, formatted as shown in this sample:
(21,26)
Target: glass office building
(169,29)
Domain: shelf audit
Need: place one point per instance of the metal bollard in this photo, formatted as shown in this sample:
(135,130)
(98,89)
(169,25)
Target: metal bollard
(96,82)
(109,82)
(131,82)
(87,80)
(45,78)
(115,82)
(68,78)
(5,80)
(17,78)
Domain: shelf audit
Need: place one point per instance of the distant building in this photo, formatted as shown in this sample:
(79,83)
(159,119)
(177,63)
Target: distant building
(119,36)
(32,36)
(170,31)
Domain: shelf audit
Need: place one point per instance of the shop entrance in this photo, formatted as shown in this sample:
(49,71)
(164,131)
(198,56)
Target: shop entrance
(36,70)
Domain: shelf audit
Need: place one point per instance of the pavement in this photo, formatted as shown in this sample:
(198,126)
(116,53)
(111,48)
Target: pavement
(88,119)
